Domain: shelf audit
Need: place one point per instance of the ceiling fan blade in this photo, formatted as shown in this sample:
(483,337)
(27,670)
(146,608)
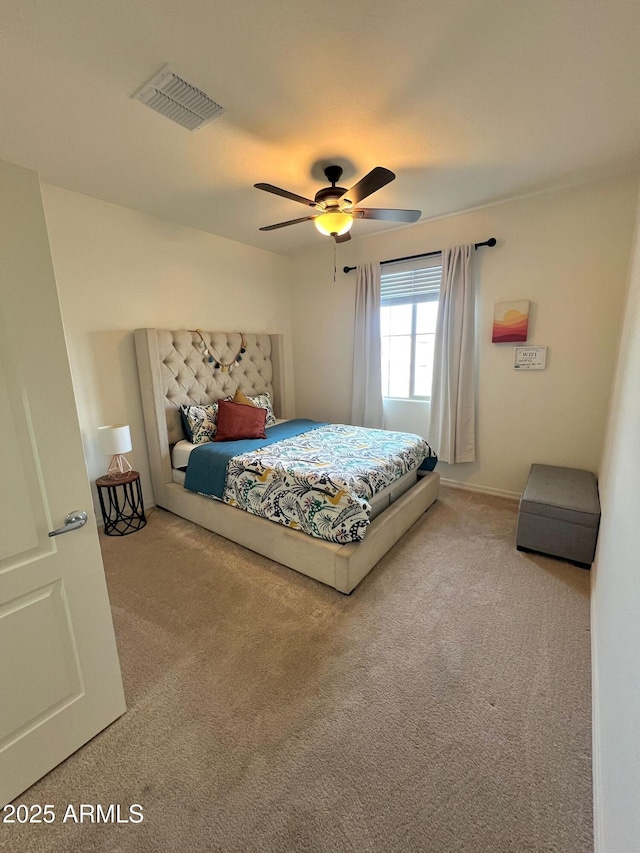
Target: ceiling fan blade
(269,188)
(375,180)
(342,238)
(391,215)
(284,224)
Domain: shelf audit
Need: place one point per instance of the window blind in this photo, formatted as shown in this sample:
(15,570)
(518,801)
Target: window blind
(409,286)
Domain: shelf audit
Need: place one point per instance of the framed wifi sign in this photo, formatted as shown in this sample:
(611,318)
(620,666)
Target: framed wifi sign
(529,358)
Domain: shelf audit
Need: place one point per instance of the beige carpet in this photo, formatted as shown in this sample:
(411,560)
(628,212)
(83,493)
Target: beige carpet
(443,706)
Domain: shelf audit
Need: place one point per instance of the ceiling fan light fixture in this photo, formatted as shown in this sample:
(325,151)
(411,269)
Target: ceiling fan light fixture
(333,223)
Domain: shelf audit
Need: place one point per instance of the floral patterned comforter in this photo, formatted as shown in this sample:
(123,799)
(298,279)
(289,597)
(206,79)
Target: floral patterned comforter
(321,481)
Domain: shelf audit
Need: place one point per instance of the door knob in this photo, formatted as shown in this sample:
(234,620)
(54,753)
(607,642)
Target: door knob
(77,518)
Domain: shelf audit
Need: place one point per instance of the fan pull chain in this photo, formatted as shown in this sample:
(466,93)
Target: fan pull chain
(334,261)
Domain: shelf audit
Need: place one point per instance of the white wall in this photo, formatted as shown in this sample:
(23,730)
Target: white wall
(118,270)
(567,251)
(615,603)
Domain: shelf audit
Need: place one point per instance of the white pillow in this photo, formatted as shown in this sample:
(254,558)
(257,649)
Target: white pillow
(263,401)
(200,422)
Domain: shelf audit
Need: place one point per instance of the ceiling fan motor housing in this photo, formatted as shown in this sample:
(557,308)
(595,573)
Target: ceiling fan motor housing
(330,196)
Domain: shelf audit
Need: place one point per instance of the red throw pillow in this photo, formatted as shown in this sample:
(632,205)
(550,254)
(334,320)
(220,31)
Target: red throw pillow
(236,421)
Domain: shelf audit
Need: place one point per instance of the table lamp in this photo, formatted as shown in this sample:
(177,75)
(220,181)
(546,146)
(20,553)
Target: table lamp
(114,440)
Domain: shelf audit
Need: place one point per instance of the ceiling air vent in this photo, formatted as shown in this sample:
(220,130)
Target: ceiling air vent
(182,102)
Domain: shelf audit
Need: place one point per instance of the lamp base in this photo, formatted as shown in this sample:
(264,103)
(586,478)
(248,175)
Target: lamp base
(118,467)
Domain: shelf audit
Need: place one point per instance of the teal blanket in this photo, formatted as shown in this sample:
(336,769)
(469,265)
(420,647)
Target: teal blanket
(207,468)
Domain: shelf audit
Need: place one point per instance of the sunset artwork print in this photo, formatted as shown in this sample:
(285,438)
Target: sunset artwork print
(510,321)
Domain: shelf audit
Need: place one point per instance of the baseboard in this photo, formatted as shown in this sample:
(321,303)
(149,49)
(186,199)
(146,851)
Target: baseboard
(483,490)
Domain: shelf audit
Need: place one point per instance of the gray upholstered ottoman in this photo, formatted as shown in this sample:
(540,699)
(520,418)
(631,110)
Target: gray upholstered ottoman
(559,513)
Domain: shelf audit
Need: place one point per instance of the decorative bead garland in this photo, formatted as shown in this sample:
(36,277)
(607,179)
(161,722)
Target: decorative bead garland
(217,363)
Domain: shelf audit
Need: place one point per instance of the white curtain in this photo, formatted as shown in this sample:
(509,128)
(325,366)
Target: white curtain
(452,422)
(366,407)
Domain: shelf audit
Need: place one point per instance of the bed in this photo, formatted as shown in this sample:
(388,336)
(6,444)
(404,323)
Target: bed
(178,368)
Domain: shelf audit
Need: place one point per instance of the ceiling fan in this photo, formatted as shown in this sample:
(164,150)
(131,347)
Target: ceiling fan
(336,206)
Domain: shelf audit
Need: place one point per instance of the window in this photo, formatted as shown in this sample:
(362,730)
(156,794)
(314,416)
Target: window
(408,313)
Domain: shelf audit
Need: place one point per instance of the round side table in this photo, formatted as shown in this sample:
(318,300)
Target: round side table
(121,504)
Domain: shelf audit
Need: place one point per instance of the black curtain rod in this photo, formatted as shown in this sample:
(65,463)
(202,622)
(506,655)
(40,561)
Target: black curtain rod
(490,242)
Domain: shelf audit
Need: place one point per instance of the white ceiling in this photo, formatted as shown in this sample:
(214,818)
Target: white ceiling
(468,102)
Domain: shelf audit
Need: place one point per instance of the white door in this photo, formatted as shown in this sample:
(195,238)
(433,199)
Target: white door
(60,678)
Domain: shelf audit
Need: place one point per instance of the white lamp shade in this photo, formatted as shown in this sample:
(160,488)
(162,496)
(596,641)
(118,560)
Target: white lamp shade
(114,439)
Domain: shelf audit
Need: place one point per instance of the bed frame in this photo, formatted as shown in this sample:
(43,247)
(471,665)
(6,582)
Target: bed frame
(173,371)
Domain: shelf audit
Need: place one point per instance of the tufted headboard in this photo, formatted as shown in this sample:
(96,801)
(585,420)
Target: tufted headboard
(174,371)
